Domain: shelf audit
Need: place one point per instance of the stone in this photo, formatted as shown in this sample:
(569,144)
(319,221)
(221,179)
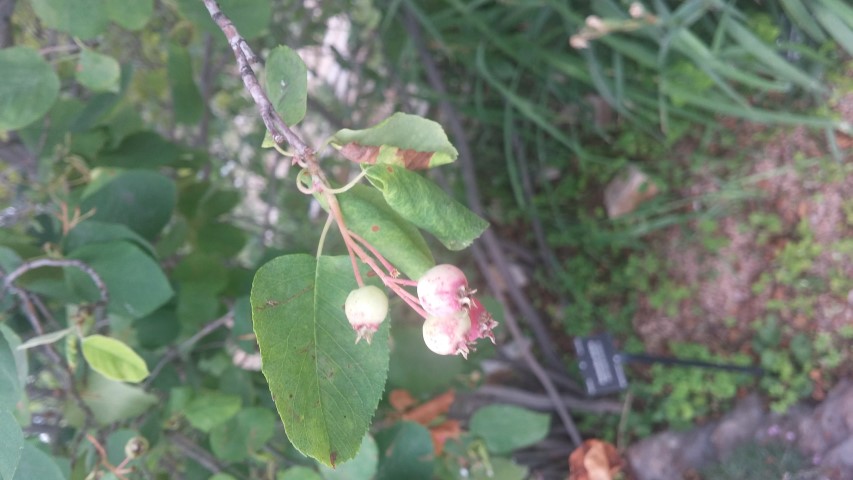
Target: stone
(627,191)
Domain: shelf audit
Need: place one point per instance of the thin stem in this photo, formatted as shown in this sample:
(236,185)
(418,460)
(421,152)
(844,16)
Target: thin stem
(323,235)
(392,271)
(404,282)
(348,185)
(50,262)
(187,345)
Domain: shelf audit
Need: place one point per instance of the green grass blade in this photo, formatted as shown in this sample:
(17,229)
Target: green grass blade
(798,14)
(842,10)
(770,58)
(836,27)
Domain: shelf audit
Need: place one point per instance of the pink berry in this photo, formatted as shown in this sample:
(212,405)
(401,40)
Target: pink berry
(366,309)
(482,322)
(446,335)
(443,290)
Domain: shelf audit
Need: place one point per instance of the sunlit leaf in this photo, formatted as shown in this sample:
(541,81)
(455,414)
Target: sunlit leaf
(114,359)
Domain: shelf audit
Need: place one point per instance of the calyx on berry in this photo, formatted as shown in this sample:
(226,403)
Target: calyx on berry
(366,308)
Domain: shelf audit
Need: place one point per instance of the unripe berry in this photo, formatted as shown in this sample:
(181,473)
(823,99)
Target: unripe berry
(446,335)
(443,290)
(366,309)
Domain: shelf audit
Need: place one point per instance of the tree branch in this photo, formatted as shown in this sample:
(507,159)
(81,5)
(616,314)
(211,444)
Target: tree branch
(6,9)
(50,262)
(187,345)
(279,130)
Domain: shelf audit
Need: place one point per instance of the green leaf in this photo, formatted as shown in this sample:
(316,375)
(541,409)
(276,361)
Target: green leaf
(408,452)
(415,367)
(219,238)
(135,282)
(28,89)
(140,199)
(110,401)
(287,84)
(158,329)
(22,365)
(84,19)
(243,435)
(11,445)
(130,15)
(141,150)
(298,473)
(325,386)
(367,214)
(426,205)
(187,103)
(251,17)
(402,139)
(362,467)
(36,464)
(10,385)
(113,359)
(46,339)
(501,469)
(90,232)
(98,72)
(116,441)
(506,428)
(209,409)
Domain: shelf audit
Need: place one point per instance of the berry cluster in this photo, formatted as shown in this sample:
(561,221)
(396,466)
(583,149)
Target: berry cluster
(454,318)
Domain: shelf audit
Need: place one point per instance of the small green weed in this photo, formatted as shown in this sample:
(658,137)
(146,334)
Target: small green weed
(789,360)
(677,396)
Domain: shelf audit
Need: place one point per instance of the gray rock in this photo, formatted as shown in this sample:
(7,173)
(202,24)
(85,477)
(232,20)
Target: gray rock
(738,426)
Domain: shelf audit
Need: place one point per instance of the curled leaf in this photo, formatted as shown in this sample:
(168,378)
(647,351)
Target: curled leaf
(409,141)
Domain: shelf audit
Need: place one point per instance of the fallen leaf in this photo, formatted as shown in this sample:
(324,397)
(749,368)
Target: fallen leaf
(401,400)
(594,460)
(449,429)
(429,411)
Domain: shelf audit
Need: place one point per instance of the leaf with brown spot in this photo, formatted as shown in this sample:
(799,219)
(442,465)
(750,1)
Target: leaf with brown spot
(410,141)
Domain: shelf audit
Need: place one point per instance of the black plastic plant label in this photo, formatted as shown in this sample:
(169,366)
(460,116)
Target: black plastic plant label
(600,365)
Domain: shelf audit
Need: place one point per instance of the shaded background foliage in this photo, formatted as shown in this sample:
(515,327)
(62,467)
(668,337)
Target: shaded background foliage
(146,122)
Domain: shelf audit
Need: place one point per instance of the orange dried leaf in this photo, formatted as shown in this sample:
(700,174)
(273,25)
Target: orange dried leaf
(401,400)
(429,411)
(449,429)
(594,460)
